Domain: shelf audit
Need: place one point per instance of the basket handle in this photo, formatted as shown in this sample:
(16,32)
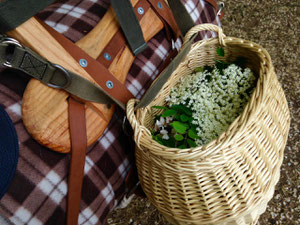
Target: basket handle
(202,27)
(138,129)
(130,111)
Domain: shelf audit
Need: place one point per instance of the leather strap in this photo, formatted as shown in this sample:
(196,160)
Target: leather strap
(117,43)
(15,12)
(77,128)
(130,25)
(19,57)
(117,91)
(182,17)
(163,10)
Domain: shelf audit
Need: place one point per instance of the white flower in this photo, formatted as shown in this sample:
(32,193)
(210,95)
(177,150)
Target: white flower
(161,122)
(169,119)
(216,101)
(165,134)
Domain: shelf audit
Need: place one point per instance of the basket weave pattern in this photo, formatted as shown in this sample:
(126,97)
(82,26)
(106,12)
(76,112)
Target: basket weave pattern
(231,179)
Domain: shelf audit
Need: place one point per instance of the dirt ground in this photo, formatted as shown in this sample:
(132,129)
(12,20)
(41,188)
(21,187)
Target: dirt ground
(274,24)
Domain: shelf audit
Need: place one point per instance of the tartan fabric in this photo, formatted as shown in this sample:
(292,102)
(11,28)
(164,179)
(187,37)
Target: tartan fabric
(37,194)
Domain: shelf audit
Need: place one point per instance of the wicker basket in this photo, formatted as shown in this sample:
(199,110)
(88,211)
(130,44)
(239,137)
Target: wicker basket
(231,179)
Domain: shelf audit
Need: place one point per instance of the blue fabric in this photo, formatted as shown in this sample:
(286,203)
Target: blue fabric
(9,151)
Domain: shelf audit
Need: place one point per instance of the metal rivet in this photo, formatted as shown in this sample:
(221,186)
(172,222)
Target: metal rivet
(107,56)
(83,62)
(140,10)
(159,5)
(109,84)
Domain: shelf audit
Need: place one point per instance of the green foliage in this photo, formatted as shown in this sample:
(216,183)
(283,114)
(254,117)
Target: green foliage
(184,118)
(191,143)
(198,69)
(174,127)
(158,138)
(171,142)
(182,109)
(182,146)
(181,132)
(192,134)
(220,52)
(169,112)
(179,127)
(178,137)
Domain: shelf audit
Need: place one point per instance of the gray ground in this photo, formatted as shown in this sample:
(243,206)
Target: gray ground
(274,24)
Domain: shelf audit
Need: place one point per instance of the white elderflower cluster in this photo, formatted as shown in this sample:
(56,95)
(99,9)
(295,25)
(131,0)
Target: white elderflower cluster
(215,98)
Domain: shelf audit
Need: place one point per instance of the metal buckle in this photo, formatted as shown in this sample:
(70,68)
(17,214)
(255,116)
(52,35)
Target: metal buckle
(67,76)
(12,41)
(221,7)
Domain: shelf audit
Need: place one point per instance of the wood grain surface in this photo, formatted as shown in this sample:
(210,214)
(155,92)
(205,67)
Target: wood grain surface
(45,109)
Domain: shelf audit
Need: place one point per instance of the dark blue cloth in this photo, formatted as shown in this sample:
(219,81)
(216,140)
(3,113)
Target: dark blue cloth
(9,151)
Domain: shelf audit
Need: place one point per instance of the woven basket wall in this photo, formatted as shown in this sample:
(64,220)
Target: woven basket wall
(230,180)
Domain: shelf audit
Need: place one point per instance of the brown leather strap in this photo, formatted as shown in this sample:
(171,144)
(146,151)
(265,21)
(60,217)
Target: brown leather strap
(118,42)
(77,128)
(162,9)
(96,70)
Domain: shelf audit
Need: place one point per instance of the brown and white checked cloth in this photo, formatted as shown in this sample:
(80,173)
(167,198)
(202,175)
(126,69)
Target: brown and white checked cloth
(37,194)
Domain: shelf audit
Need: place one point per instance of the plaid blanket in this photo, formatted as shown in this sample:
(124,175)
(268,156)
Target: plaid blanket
(37,194)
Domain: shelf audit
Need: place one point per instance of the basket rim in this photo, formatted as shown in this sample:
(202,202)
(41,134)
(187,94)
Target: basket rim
(213,147)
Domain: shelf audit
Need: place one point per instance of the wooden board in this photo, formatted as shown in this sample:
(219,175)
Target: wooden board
(44,109)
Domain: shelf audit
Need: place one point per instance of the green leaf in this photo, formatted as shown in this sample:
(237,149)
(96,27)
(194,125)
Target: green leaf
(169,112)
(186,125)
(159,107)
(220,52)
(191,143)
(192,134)
(182,147)
(177,117)
(198,69)
(170,142)
(182,109)
(184,118)
(179,127)
(159,139)
(178,137)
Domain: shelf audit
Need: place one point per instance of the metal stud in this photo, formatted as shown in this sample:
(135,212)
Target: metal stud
(140,10)
(109,84)
(107,56)
(159,5)
(83,63)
